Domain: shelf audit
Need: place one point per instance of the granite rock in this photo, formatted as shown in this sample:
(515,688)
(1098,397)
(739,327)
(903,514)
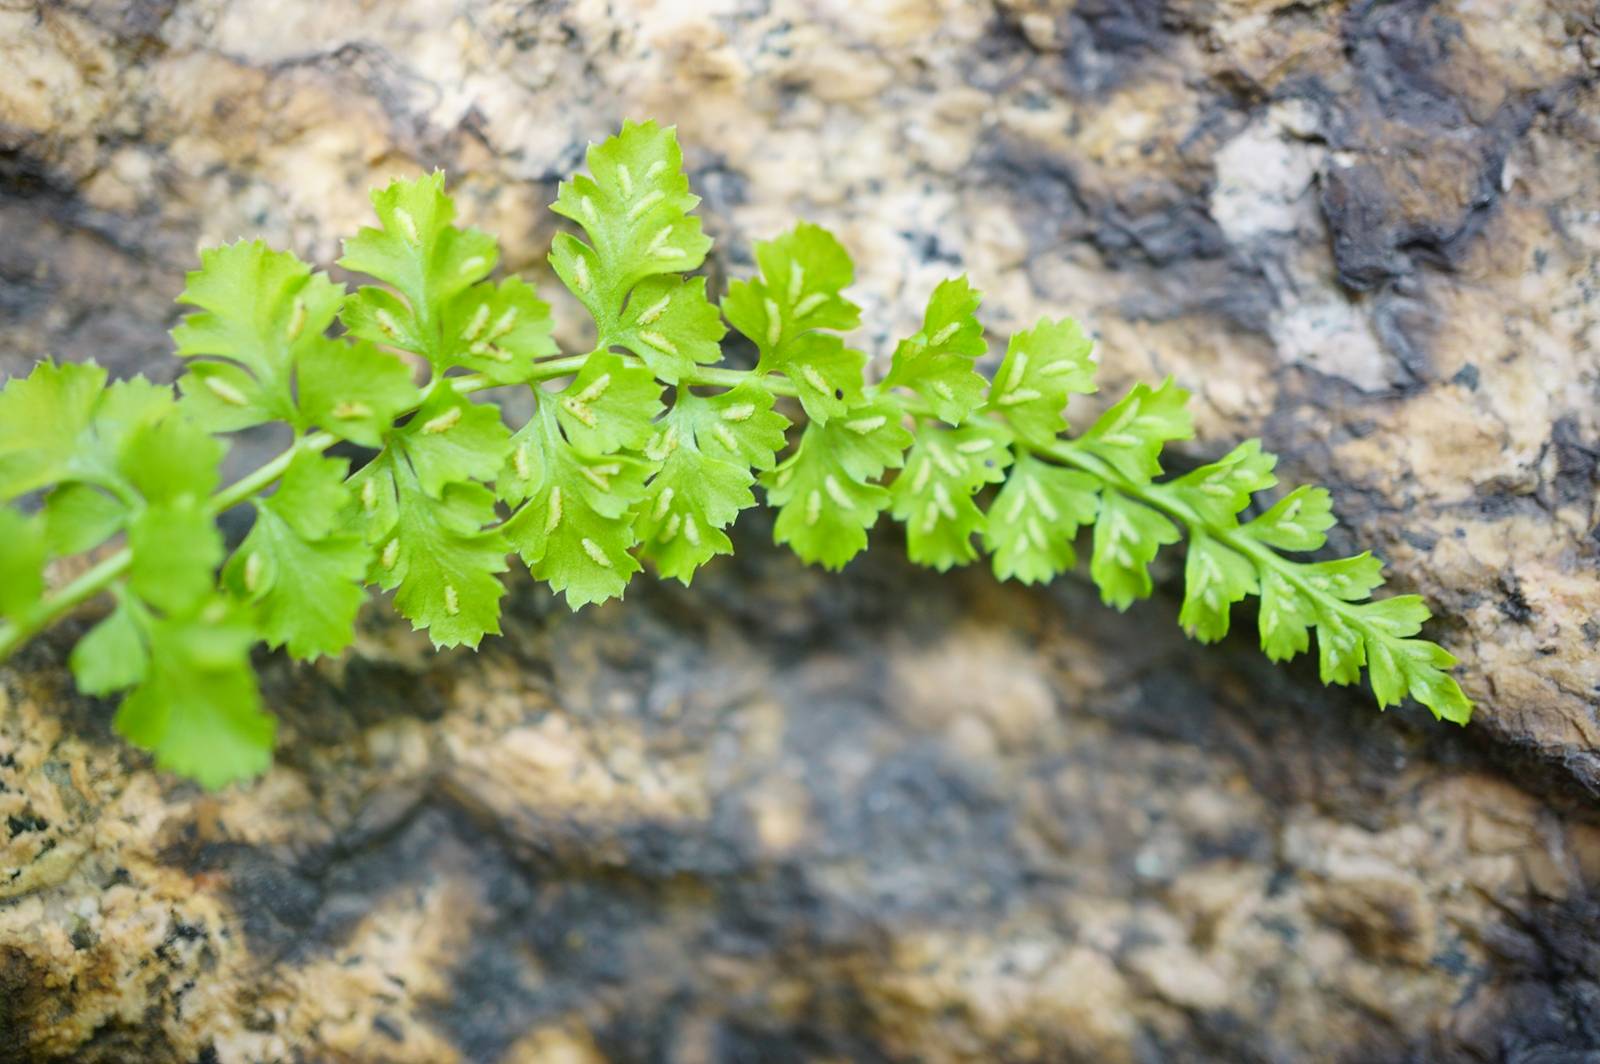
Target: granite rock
(891,816)
(786,816)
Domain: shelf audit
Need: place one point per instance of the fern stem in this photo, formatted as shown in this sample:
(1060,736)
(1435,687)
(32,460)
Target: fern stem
(108,570)
(1160,497)
(101,576)
(79,591)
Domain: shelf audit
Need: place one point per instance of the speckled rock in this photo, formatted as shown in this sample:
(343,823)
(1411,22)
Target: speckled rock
(893,816)
(790,816)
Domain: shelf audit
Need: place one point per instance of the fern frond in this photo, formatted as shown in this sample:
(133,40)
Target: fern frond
(643,457)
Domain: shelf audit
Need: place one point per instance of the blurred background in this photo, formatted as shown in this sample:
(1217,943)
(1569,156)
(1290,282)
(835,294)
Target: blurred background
(889,815)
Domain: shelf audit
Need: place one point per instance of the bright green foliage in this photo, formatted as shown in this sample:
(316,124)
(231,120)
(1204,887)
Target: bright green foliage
(261,313)
(496,331)
(452,440)
(1341,652)
(62,424)
(1229,564)
(937,362)
(706,449)
(1218,491)
(934,496)
(422,507)
(1227,561)
(298,566)
(738,425)
(428,262)
(803,273)
(825,493)
(605,476)
(1036,516)
(444,556)
(176,548)
(42,418)
(259,350)
(574,532)
(176,544)
(609,405)
(1042,368)
(355,391)
(429,521)
(634,206)
(172,461)
(1214,577)
(113,656)
(196,706)
(1129,437)
(1285,618)
(122,457)
(1127,536)
(689,501)
(1398,666)
(80,517)
(670,324)
(1298,521)
(21,562)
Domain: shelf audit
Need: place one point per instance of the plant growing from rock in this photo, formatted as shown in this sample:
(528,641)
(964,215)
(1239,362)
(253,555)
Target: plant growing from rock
(644,456)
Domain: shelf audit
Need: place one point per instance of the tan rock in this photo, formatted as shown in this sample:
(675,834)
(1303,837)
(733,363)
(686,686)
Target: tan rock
(888,812)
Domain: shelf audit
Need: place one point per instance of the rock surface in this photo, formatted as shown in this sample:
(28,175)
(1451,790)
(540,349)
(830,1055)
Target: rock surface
(897,816)
(785,816)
